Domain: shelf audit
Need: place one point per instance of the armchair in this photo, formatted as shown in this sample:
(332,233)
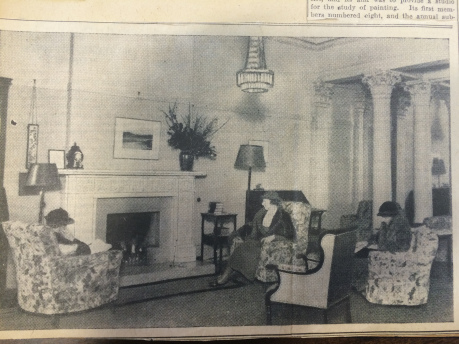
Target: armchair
(285,252)
(402,278)
(324,286)
(50,283)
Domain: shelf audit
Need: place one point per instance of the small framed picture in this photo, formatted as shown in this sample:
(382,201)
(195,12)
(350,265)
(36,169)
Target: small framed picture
(56,156)
(32,145)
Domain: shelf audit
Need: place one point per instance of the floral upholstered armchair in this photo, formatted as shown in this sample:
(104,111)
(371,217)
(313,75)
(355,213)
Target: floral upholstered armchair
(51,283)
(286,251)
(403,278)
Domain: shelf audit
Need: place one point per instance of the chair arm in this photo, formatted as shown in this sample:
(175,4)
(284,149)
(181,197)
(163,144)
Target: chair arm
(77,267)
(402,258)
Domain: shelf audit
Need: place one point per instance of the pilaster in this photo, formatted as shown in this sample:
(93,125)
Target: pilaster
(320,142)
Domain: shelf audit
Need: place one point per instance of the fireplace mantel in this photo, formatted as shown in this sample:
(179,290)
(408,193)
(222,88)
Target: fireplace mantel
(82,172)
(82,188)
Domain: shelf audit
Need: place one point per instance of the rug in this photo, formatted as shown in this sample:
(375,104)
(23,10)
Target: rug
(171,288)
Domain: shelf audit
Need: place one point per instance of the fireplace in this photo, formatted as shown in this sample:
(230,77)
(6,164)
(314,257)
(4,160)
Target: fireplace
(89,196)
(140,226)
(135,234)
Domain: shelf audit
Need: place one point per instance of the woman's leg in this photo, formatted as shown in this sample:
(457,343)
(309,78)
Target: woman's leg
(225,276)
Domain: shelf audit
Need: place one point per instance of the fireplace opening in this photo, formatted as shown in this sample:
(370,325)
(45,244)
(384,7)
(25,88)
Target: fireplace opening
(134,234)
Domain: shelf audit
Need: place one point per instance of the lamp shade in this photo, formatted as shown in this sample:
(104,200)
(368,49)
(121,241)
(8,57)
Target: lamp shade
(438,167)
(43,175)
(250,156)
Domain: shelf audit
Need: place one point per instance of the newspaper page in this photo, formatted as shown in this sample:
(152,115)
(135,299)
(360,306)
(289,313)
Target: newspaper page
(215,169)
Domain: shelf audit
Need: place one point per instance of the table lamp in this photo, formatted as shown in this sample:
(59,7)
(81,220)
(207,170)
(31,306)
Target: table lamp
(45,177)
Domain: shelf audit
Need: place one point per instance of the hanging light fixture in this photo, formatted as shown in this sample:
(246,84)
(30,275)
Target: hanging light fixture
(255,77)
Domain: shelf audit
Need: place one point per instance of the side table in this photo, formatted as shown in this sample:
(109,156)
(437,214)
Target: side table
(219,236)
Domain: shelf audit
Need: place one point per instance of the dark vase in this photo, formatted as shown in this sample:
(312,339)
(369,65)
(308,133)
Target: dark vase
(186,161)
(75,157)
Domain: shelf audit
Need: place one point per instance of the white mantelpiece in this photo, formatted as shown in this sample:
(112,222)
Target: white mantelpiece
(82,188)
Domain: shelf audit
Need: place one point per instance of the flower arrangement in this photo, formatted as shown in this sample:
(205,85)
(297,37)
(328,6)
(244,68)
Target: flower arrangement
(192,134)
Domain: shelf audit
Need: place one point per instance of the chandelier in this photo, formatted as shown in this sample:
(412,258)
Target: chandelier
(255,77)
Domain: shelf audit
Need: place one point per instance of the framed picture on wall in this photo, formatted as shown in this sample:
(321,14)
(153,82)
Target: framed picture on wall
(32,145)
(56,157)
(136,139)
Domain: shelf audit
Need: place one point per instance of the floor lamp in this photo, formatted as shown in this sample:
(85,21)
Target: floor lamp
(249,157)
(44,177)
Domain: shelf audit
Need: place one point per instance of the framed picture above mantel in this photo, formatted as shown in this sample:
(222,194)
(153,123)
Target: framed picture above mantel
(136,139)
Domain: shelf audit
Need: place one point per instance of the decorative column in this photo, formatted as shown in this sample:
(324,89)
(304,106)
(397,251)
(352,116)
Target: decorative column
(320,138)
(420,91)
(381,84)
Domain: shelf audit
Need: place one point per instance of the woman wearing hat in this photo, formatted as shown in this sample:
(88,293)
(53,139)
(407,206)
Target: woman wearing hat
(395,235)
(269,223)
(58,219)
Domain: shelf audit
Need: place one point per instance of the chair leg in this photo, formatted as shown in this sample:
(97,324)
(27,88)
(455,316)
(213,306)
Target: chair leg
(268,314)
(55,321)
(348,311)
(325,316)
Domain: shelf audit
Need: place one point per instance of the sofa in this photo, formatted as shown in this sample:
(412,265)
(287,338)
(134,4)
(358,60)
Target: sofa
(52,283)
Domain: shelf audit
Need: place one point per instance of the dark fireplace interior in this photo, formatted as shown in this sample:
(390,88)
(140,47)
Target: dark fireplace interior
(133,233)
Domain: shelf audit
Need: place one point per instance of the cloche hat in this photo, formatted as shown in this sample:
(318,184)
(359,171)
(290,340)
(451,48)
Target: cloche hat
(271,195)
(388,208)
(58,217)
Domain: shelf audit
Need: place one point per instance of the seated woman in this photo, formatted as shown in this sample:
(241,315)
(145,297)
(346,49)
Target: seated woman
(58,219)
(269,223)
(393,235)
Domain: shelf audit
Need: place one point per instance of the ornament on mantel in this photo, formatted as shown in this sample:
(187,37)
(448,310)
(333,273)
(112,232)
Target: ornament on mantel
(75,157)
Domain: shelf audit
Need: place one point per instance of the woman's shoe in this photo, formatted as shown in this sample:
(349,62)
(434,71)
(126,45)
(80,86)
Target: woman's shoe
(216,284)
(223,278)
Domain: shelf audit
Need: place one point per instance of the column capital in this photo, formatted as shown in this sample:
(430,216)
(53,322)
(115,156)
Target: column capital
(418,87)
(382,78)
(440,92)
(323,91)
